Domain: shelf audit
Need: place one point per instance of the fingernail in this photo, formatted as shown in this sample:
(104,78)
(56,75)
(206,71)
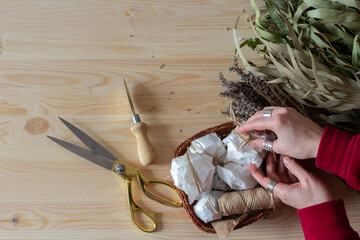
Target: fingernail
(286,160)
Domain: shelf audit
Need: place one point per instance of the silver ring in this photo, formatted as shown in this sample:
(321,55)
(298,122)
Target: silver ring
(267,112)
(271,185)
(268,145)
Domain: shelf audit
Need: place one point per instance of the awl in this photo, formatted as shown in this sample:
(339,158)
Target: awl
(144,147)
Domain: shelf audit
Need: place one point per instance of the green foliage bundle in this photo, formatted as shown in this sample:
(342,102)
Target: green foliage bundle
(313,54)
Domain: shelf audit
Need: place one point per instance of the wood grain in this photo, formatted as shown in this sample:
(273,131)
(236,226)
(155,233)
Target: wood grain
(68,59)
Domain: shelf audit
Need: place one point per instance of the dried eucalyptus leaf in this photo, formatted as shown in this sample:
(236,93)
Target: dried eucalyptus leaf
(313,53)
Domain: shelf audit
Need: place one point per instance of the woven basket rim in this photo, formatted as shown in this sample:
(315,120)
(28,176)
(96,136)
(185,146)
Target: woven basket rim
(222,130)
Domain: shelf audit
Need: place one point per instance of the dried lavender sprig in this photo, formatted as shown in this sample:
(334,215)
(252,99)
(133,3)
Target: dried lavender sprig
(275,96)
(258,83)
(250,94)
(235,89)
(245,100)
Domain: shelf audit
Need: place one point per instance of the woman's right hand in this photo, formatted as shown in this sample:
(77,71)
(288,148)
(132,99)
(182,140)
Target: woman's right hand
(296,187)
(297,136)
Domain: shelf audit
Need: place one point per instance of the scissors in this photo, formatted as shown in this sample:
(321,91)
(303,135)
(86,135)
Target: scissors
(99,155)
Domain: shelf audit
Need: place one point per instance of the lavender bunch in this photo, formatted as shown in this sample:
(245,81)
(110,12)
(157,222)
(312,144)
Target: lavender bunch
(258,83)
(250,94)
(245,101)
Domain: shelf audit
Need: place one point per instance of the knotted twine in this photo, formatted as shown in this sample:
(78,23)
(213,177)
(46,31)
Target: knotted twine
(217,160)
(245,201)
(238,202)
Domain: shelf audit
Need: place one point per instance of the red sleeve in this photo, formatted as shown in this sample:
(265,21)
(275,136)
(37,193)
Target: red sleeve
(339,153)
(326,221)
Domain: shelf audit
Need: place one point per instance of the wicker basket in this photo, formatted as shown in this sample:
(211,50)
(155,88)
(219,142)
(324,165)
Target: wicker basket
(222,131)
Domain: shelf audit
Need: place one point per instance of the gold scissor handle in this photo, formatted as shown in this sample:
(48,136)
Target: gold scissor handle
(145,182)
(135,208)
(127,172)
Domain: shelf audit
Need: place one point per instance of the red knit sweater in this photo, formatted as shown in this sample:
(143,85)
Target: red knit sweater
(339,153)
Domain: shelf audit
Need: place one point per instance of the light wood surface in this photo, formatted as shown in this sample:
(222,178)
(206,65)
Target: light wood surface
(68,58)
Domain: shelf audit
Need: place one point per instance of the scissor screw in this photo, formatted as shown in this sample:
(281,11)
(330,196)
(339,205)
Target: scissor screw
(120,168)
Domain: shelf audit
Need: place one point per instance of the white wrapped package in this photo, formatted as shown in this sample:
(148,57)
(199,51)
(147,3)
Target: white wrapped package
(237,177)
(210,145)
(245,155)
(184,179)
(205,211)
(235,173)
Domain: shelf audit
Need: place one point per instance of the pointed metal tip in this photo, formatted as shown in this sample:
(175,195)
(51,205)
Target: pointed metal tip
(69,125)
(63,120)
(54,139)
(126,88)
(129,98)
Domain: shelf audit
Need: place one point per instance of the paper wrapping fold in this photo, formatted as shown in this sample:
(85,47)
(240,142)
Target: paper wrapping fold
(184,178)
(223,228)
(235,172)
(208,211)
(219,184)
(210,145)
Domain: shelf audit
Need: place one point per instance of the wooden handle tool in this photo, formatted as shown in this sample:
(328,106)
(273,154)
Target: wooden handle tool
(145,149)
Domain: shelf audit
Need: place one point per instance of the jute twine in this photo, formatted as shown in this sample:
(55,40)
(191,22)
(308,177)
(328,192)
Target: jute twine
(241,202)
(193,173)
(198,182)
(217,160)
(238,202)
(246,201)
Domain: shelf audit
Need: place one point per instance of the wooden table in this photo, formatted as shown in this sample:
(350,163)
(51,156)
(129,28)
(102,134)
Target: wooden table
(68,59)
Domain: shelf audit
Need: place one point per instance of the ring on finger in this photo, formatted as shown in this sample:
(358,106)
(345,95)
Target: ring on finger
(267,112)
(268,145)
(270,186)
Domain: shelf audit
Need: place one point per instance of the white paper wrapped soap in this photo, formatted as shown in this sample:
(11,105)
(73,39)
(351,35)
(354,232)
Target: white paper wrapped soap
(235,172)
(184,179)
(205,211)
(236,176)
(210,145)
(242,153)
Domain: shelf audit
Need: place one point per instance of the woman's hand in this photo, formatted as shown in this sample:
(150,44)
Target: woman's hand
(297,136)
(296,187)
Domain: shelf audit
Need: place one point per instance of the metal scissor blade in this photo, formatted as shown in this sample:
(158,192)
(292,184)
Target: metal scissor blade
(95,147)
(85,153)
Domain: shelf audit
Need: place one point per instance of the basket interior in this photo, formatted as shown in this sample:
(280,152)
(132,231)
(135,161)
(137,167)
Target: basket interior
(222,131)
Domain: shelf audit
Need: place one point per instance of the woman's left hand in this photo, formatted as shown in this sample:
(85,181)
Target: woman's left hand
(296,187)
